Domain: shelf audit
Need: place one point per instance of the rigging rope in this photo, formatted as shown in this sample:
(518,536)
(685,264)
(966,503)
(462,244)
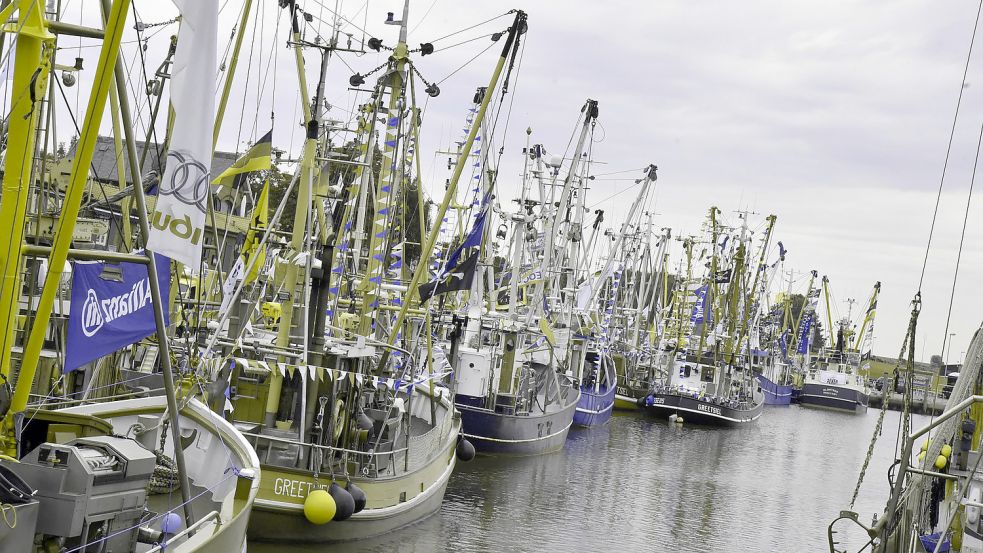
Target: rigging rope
(962,239)
(948,150)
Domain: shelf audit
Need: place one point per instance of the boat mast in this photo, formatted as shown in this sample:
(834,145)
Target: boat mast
(714,236)
(829,312)
(298,238)
(385,194)
(519,221)
(746,312)
(590,115)
(518,27)
(869,317)
(32,66)
(805,304)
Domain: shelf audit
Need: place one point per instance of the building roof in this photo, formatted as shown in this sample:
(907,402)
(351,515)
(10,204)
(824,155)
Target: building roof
(104,160)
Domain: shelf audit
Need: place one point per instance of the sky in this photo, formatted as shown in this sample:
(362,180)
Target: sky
(834,116)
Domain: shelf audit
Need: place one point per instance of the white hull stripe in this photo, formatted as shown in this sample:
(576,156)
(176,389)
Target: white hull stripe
(589,412)
(704,413)
(844,400)
(524,440)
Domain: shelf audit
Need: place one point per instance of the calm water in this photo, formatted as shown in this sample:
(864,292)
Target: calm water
(638,482)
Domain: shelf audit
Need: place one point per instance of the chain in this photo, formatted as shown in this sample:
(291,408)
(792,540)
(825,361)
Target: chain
(909,337)
(140,26)
(420,75)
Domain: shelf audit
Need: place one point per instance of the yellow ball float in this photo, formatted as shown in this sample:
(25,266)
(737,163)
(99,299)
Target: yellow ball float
(946,450)
(925,445)
(319,507)
(921,457)
(941,462)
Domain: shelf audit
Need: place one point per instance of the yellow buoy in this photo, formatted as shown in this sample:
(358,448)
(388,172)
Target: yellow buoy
(946,450)
(319,507)
(941,462)
(921,457)
(925,445)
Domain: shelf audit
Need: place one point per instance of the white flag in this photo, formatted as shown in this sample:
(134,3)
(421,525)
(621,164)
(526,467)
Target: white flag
(236,274)
(178,224)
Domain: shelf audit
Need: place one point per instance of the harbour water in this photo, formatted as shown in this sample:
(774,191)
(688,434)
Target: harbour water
(636,483)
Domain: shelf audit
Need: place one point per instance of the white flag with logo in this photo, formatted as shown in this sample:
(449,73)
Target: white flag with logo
(177,228)
(236,275)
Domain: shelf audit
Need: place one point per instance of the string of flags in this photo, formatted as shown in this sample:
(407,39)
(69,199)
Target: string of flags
(212,367)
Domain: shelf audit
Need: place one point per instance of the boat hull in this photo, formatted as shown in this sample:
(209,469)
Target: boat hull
(775,394)
(697,411)
(830,396)
(497,433)
(594,409)
(627,398)
(278,514)
(215,444)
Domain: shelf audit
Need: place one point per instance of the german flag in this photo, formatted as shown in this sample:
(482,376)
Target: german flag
(257,158)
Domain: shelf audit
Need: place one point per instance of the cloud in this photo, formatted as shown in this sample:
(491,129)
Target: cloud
(833,115)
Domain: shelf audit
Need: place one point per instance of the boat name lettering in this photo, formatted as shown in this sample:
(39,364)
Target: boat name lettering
(709,409)
(294,488)
(658,400)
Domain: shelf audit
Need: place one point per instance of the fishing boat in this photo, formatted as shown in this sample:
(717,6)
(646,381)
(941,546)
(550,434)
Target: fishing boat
(773,366)
(838,379)
(102,469)
(617,297)
(935,489)
(637,357)
(515,387)
(772,373)
(343,391)
(710,380)
(597,390)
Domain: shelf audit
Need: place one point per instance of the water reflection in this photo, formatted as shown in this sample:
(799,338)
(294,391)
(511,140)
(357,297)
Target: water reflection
(637,483)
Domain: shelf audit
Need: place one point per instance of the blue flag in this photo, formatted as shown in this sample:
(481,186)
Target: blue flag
(108,314)
(699,315)
(783,343)
(804,333)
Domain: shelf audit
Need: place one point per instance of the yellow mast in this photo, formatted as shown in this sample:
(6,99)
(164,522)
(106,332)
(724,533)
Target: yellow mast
(305,182)
(714,235)
(869,317)
(32,66)
(829,313)
(73,197)
(798,320)
(749,297)
(383,220)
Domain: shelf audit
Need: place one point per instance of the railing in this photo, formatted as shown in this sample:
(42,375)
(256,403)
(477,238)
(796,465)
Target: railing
(365,461)
(886,525)
(190,530)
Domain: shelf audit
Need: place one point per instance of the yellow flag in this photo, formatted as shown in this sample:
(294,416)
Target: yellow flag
(257,158)
(544,325)
(258,222)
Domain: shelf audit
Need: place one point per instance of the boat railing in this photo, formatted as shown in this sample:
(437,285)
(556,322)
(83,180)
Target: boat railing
(886,524)
(365,462)
(190,530)
(38,400)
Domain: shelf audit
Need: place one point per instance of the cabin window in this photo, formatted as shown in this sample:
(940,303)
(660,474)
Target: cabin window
(687,371)
(707,374)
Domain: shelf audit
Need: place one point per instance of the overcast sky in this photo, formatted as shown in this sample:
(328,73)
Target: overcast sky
(832,115)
